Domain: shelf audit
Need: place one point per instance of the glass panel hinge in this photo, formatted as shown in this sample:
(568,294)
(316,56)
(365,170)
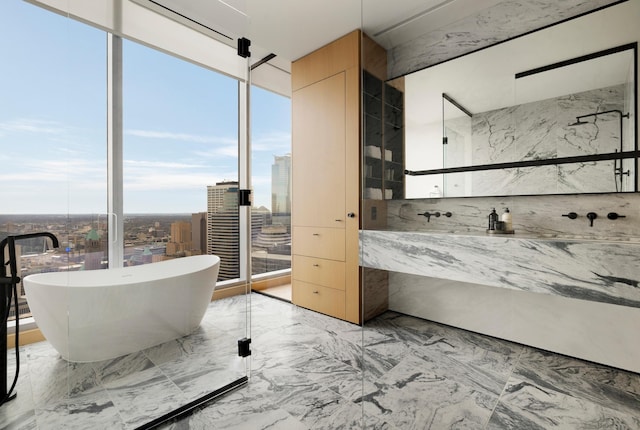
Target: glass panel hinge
(244,349)
(244,197)
(243,47)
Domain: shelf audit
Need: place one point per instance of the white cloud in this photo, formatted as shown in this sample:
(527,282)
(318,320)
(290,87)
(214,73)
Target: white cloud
(164,175)
(167,180)
(279,142)
(142,164)
(186,137)
(274,142)
(30,125)
(221,151)
(58,171)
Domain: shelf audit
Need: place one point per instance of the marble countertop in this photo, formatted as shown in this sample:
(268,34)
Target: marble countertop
(516,235)
(595,270)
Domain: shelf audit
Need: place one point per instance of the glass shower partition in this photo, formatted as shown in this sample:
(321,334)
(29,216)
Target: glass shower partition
(141,342)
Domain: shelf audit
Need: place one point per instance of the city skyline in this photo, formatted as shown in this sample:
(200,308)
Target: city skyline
(180,123)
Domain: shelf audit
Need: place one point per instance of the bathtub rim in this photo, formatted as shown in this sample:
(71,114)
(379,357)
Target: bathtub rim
(156,271)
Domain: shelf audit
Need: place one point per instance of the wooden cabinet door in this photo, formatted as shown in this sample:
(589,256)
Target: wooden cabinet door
(318,146)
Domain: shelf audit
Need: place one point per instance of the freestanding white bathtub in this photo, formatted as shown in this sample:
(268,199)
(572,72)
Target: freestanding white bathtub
(102,314)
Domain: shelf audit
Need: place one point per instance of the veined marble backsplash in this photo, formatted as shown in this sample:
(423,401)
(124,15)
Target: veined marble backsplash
(505,20)
(533,216)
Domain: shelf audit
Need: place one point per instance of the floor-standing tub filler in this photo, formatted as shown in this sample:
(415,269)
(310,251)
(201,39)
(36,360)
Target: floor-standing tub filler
(102,314)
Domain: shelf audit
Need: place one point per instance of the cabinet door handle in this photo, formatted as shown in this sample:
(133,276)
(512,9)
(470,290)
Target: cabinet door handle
(316,265)
(338,220)
(351,215)
(316,292)
(316,234)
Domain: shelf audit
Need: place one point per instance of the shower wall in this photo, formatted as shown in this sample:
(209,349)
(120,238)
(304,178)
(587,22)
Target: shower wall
(540,130)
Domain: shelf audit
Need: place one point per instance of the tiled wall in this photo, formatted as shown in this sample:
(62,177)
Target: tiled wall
(537,216)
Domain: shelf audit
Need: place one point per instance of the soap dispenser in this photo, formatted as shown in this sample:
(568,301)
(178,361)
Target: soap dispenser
(493,219)
(506,218)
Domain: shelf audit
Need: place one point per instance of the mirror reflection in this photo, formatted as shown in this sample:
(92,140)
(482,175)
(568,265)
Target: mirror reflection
(566,127)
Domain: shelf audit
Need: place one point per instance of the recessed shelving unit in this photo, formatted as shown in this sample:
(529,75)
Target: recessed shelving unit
(383,107)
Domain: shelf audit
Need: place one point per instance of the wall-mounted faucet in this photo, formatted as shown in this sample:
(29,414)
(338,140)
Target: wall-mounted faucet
(592,216)
(614,215)
(428,215)
(436,214)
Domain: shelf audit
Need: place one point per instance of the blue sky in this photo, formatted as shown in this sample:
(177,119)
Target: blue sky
(180,122)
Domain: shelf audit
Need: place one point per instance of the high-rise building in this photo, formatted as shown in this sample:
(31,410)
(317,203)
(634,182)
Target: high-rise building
(223,227)
(281,185)
(199,232)
(180,239)
(221,196)
(271,249)
(281,191)
(223,238)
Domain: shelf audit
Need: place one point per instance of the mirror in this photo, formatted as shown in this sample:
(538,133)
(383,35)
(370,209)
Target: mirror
(481,126)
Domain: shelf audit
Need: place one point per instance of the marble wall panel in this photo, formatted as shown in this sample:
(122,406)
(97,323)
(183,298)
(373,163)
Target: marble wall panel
(505,20)
(533,216)
(541,130)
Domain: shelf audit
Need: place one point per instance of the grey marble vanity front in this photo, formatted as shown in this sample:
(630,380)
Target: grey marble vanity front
(601,271)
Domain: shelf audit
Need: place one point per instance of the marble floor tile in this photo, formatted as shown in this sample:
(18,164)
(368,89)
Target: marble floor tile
(244,408)
(320,408)
(201,342)
(54,379)
(19,412)
(413,397)
(117,368)
(528,406)
(336,376)
(144,396)
(311,371)
(199,375)
(20,421)
(290,333)
(402,327)
(611,388)
(437,363)
(95,409)
(317,370)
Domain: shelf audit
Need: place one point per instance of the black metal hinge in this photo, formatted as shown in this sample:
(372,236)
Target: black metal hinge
(243,47)
(244,197)
(244,349)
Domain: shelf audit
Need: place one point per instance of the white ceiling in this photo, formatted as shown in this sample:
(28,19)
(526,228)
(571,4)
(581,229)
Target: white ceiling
(292,28)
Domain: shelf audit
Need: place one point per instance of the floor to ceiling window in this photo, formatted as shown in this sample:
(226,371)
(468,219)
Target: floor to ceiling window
(52,139)
(180,153)
(180,160)
(271,180)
